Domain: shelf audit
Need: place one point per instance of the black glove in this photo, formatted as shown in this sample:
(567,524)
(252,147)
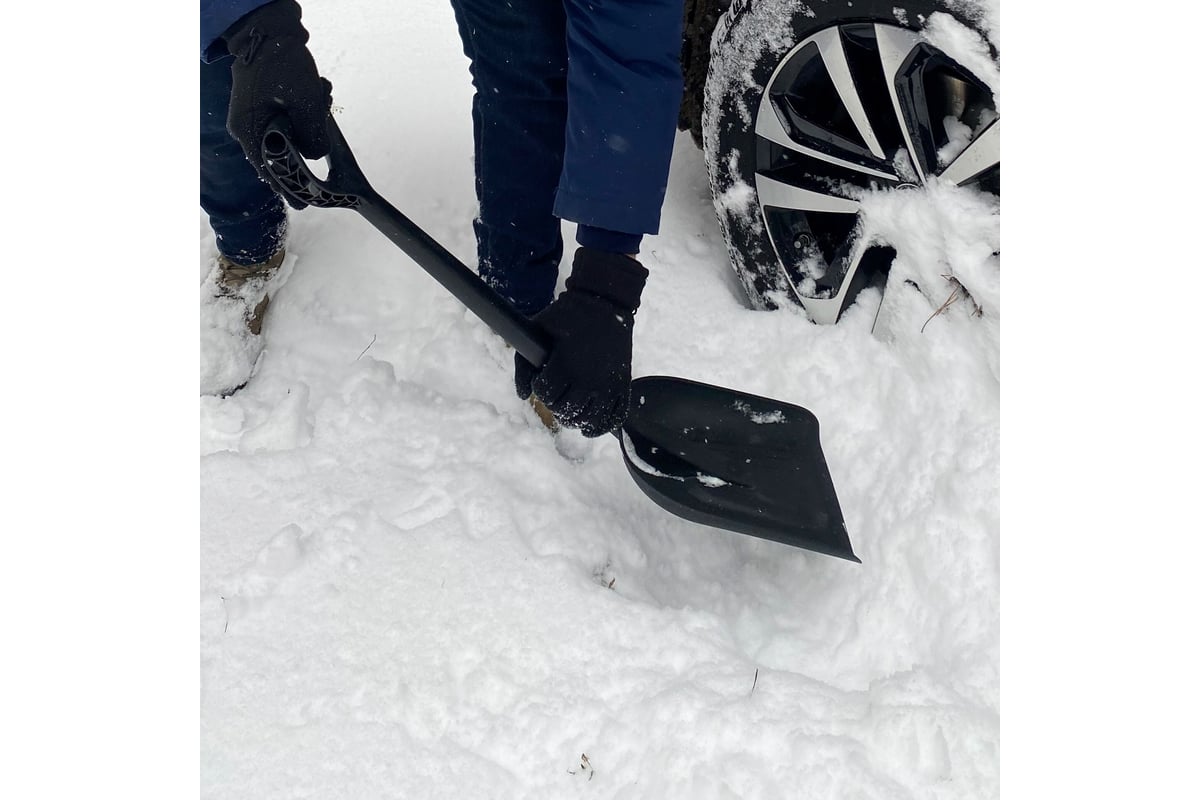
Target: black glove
(585,381)
(274,75)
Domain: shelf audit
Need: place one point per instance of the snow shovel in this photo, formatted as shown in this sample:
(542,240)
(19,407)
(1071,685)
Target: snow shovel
(710,455)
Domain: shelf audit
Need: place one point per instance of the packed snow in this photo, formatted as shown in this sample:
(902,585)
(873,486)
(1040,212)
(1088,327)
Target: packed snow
(409,588)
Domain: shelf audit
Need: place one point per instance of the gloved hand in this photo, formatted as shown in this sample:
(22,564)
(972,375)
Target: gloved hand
(585,381)
(274,75)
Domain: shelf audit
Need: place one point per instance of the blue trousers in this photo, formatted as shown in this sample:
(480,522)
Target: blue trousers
(246,215)
(574,118)
(574,115)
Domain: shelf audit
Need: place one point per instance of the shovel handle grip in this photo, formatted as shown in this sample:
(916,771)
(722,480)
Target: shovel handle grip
(346,187)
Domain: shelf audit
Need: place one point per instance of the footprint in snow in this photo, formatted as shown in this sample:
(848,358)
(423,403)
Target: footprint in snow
(251,588)
(288,425)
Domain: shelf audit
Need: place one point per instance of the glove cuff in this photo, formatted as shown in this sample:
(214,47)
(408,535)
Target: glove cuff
(278,19)
(617,278)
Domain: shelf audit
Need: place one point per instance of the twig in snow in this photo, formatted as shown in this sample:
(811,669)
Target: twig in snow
(958,290)
(755,681)
(612,583)
(368,347)
(942,308)
(226,615)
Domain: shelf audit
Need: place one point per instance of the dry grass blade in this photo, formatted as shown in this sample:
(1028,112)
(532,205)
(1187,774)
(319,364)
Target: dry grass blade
(957,291)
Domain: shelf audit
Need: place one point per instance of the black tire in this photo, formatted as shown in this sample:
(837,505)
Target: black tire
(699,20)
(813,256)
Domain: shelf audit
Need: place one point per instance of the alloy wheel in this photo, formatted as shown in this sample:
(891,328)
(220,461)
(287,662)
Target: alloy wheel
(851,108)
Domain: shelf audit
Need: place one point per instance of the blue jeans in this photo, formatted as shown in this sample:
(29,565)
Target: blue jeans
(575,108)
(246,215)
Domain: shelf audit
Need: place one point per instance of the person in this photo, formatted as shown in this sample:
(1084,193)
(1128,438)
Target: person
(247,216)
(574,117)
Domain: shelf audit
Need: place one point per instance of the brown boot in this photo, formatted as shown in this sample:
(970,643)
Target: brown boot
(245,281)
(544,414)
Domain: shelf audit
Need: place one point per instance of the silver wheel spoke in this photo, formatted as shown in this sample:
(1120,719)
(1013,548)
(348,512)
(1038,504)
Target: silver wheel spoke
(894,46)
(829,43)
(782,195)
(826,311)
(980,155)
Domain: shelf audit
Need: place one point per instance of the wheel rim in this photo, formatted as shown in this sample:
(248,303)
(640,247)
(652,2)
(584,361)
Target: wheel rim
(857,107)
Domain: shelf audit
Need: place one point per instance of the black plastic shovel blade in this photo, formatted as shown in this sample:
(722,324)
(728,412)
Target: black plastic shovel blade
(734,461)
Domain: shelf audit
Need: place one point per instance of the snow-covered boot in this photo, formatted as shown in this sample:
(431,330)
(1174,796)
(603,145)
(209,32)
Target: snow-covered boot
(246,282)
(233,302)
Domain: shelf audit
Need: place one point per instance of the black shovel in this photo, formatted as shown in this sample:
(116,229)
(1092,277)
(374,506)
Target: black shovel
(711,455)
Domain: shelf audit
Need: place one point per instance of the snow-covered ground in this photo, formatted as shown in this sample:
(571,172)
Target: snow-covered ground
(409,589)
(101,517)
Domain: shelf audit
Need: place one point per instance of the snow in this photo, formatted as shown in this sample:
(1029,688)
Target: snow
(968,47)
(410,589)
(761,417)
(738,199)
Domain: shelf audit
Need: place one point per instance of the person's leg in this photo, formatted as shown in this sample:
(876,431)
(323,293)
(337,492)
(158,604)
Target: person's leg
(248,218)
(518,60)
(624,86)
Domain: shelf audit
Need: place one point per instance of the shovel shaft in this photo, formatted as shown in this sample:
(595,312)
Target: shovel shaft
(347,187)
(498,314)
